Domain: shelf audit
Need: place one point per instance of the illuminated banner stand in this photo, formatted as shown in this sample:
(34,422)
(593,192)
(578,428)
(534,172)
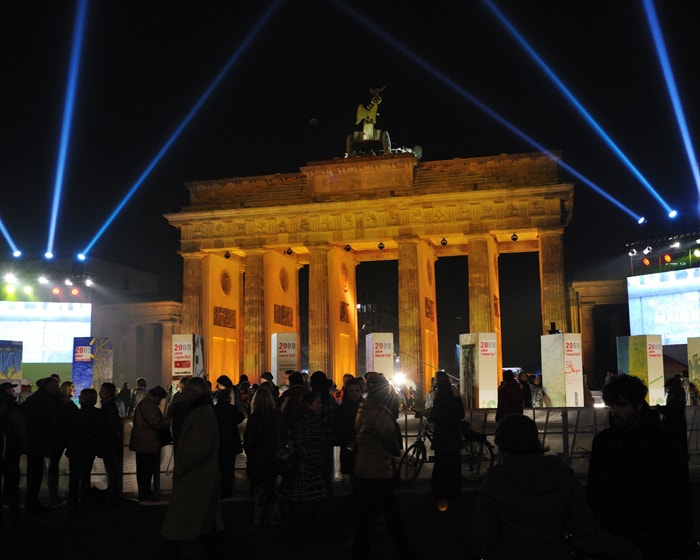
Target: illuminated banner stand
(188,356)
(642,357)
(478,369)
(694,360)
(11,361)
(285,354)
(562,368)
(92,362)
(379,353)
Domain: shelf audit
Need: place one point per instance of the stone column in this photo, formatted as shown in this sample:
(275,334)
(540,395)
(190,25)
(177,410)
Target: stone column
(484,292)
(484,301)
(552,280)
(588,341)
(254,314)
(319,318)
(192,293)
(410,347)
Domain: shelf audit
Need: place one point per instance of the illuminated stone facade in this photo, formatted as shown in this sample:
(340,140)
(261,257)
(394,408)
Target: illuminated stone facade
(243,240)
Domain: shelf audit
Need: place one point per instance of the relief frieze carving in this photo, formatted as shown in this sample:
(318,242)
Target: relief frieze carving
(224,317)
(416,216)
(284,315)
(536,207)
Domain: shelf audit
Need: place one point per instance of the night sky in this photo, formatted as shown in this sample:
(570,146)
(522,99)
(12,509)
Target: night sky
(290,98)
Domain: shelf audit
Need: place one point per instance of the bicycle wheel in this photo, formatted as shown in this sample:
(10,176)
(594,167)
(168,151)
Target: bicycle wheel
(412,462)
(477,459)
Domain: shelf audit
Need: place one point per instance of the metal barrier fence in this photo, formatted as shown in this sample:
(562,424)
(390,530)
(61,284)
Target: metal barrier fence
(569,432)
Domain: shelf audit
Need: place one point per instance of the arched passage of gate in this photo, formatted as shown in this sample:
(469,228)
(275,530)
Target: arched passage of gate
(333,215)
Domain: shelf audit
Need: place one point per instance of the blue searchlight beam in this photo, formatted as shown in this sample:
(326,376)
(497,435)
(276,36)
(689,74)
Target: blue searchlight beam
(485,108)
(198,105)
(78,33)
(672,90)
(6,234)
(581,110)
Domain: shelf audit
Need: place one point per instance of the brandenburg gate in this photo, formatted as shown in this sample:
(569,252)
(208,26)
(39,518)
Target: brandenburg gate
(244,239)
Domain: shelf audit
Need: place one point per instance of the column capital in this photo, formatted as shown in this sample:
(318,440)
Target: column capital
(550,232)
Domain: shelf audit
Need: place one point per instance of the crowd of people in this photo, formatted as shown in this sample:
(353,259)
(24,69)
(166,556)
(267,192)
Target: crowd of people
(530,505)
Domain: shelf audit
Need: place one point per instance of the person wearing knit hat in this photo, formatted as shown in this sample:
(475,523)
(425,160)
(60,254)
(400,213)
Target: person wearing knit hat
(145,442)
(376,446)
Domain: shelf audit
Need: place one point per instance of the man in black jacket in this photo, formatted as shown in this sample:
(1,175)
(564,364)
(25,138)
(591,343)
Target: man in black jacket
(113,444)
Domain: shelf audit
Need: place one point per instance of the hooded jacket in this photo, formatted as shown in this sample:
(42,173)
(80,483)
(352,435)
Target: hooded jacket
(529,504)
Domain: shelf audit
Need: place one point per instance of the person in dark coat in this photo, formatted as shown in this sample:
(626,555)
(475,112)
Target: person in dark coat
(40,413)
(13,439)
(445,415)
(302,487)
(510,397)
(147,422)
(290,404)
(262,440)
(84,438)
(320,383)
(193,516)
(528,504)
(628,456)
(229,417)
(67,407)
(675,428)
(113,444)
(344,438)
(377,445)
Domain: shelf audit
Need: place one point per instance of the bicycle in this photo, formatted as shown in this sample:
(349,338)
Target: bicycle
(477,453)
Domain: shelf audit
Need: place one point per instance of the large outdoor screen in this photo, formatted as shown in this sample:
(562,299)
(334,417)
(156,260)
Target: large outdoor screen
(666,303)
(46,329)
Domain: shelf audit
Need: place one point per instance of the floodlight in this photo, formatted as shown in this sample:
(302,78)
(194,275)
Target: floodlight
(16,253)
(89,282)
(632,253)
(81,256)
(28,290)
(675,245)
(10,278)
(642,220)
(647,250)
(673,213)
(48,255)
(68,282)
(43,279)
